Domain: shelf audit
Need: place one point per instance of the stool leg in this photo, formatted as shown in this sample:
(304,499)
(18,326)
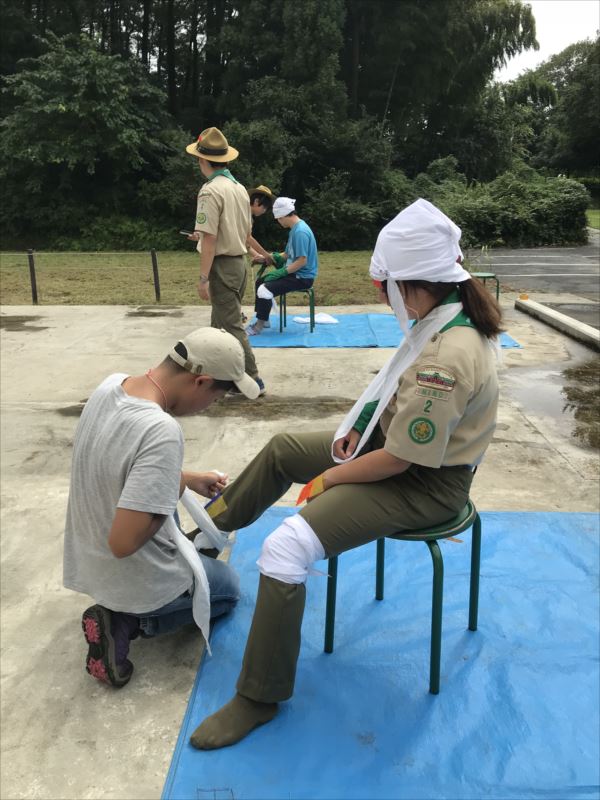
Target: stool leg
(436,617)
(379,569)
(330,609)
(281,311)
(497,289)
(475,567)
(311,303)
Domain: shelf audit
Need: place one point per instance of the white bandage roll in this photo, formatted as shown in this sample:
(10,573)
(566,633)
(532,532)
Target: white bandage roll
(290,551)
(264,293)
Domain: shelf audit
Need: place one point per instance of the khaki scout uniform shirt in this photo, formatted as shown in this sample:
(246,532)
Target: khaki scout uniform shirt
(224,211)
(444,412)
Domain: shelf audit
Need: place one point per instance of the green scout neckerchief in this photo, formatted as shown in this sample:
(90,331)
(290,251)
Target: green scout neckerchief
(461,318)
(224,172)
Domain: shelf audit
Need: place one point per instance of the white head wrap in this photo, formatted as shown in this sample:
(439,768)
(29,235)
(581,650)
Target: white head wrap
(283,206)
(420,243)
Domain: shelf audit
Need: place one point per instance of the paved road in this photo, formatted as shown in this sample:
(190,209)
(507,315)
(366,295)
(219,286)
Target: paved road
(575,270)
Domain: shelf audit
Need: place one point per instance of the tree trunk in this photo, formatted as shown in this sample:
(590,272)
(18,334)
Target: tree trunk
(114,27)
(146,30)
(215,17)
(171,76)
(195,55)
(92,19)
(104,33)
(190,85)
(356,26)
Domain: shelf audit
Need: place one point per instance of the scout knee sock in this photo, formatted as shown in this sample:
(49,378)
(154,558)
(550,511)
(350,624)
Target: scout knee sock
(232,722)
(269,666)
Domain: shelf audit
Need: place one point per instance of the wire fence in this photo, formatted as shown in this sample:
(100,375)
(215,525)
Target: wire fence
(97,277)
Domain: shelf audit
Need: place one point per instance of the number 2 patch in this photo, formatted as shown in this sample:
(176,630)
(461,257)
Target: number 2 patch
(421,430)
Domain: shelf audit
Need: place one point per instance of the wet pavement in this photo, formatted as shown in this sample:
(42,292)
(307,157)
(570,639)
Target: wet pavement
(589,314)
(575,270)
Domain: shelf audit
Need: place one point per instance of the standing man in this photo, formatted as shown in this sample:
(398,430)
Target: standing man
(223,231)
(299,268)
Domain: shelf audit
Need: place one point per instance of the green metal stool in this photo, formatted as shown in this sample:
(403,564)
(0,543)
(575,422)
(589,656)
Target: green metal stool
(283,304)
(467,518)
(283,308)
(485,276)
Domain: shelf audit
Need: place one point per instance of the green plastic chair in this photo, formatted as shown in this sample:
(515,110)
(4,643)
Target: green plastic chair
(468,517)
(488,276)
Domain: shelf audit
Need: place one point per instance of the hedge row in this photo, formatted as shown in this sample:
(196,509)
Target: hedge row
(518,209)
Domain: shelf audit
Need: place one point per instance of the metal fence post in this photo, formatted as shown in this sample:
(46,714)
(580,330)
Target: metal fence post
(155,274)
(34,295)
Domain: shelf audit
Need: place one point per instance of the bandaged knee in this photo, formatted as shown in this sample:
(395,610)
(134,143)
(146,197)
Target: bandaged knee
(264,293)
(289,552)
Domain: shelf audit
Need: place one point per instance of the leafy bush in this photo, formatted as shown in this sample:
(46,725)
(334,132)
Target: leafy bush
(124,233)
(394,191)
(537,211)
(338,221)
(477,215)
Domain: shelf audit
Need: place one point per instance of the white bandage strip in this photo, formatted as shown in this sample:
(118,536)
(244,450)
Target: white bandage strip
(210,535)
(289,552)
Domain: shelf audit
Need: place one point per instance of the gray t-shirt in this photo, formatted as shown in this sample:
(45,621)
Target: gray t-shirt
(128,453)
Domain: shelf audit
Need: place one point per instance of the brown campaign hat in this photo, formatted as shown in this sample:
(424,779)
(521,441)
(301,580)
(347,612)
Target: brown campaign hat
(213,146)
(262,190)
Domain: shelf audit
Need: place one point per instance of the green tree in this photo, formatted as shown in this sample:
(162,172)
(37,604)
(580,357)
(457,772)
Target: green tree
(421,65)
(569,139)
(85,127)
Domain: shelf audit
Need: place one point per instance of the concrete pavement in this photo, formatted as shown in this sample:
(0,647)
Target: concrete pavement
(64,735)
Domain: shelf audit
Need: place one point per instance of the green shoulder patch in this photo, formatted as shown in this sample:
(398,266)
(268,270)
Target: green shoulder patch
(201,218)
(421,430)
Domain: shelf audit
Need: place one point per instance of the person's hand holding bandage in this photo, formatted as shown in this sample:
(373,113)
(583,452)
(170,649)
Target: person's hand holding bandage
(206,484)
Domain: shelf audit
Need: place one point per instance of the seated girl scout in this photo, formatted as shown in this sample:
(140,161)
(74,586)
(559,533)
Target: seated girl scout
(403,457)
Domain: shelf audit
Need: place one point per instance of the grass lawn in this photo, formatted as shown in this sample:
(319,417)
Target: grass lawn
(593,217)
(126,279)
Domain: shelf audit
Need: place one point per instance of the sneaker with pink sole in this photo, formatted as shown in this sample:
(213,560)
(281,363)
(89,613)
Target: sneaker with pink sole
(108,634)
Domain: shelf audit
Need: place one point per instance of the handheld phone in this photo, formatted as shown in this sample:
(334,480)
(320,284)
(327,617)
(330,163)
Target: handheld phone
(186,233)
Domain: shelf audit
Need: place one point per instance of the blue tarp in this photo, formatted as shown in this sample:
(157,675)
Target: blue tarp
(517,715)
(352,330)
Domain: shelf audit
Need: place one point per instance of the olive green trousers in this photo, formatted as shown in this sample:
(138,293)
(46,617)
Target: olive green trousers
(228,278)
(343,517)
(348,515)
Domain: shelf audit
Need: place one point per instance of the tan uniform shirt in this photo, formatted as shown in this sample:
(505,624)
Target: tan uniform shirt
(224,211)
(444,412)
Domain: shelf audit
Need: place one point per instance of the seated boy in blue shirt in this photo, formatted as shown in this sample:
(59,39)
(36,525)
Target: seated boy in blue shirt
(300,268)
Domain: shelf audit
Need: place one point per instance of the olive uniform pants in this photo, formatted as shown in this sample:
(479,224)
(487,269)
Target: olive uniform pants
(228,278)
(342,518)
